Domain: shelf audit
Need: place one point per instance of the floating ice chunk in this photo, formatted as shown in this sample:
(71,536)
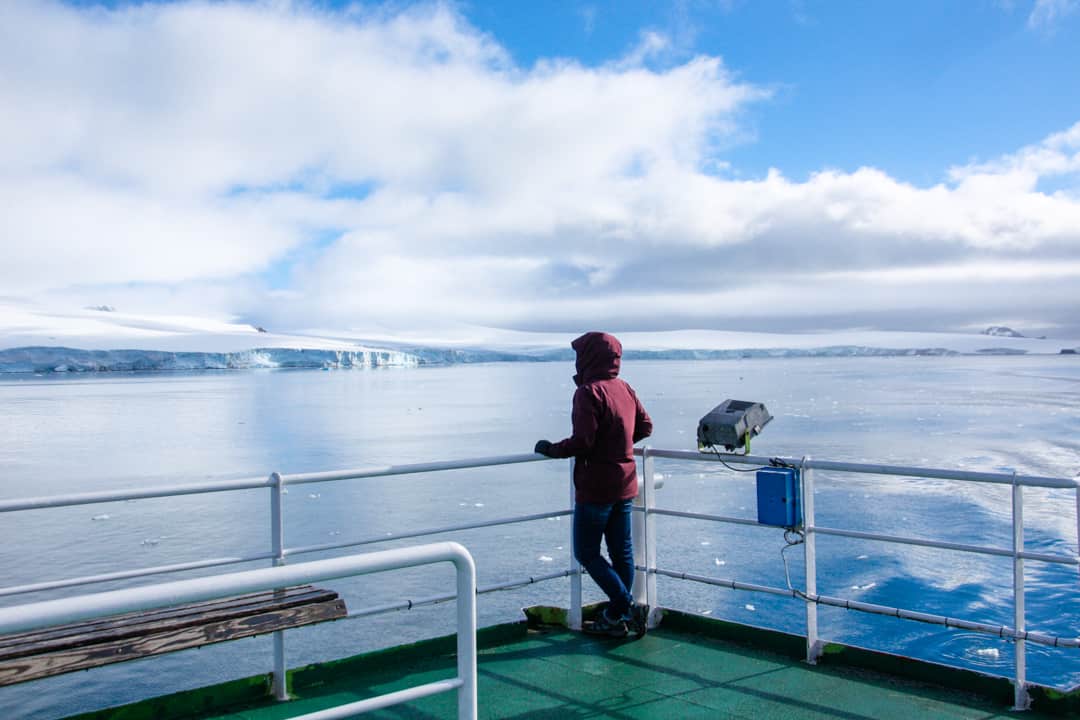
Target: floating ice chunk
(478,504)
(719,562)
(867,586)
(658,476)
(992,653)
(461,504)
(862,557)
(705,543)
(559,548)
(706,612)
(150,542)
(546,558)
(102,516)
(314,496)
(750,607)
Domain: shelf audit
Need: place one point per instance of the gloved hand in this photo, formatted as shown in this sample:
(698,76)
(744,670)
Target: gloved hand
(543,447)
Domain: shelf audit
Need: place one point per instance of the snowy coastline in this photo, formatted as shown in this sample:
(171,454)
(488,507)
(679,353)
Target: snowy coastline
(34,340)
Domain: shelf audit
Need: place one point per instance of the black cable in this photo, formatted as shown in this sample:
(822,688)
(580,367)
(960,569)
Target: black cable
(773,462)
(789,533)
(719,457)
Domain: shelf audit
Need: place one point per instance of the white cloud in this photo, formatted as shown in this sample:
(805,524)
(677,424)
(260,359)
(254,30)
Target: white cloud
(1046,13)
(188,147)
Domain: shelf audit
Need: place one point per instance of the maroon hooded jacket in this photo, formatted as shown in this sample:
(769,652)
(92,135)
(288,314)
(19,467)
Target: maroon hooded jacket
(607,419)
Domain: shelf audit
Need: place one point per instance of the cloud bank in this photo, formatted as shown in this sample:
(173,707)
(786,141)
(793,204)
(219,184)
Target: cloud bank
(378,168)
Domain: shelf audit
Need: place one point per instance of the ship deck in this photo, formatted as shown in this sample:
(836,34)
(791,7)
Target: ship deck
(688,668)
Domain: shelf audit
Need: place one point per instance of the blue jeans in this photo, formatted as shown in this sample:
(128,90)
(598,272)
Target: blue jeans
(610,521)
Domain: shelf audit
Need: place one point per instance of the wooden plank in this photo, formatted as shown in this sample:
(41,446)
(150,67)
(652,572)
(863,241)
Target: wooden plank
(135,628)
(54,663)
(136,623)
(154,615)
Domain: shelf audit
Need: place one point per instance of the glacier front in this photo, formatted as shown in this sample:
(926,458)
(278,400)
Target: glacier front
(62,359)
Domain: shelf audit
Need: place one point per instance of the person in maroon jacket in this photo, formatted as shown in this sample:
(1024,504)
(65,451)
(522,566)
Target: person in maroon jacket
(607,420)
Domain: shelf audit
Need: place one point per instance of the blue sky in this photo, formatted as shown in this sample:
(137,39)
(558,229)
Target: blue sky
(911,87)
(788,166)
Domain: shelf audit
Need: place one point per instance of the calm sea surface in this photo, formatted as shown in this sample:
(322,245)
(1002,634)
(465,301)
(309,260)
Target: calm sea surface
(83,433)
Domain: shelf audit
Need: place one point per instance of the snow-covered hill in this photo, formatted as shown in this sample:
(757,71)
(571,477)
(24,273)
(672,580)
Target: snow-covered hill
(37,339)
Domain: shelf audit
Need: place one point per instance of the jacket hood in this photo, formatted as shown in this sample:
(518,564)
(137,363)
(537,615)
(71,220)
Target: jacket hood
(598,357)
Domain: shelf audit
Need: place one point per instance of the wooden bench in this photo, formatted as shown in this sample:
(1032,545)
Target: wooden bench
(61,649)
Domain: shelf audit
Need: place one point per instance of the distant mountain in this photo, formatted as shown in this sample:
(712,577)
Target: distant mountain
(1001,331)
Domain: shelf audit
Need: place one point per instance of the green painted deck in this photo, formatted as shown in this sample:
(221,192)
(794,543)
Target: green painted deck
(688,668)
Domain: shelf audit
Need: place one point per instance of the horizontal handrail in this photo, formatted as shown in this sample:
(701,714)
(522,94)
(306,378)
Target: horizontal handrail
(410,469)
(870,469)
(1002,631)
(104,496)
(705,516)
(119,495)
(288,552)
(896,539)
(353,709)
(128,574)
(38,615)
(409,604)
(945,545)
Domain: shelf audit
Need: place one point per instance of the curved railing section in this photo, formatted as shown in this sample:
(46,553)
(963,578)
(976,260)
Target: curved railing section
(49,613)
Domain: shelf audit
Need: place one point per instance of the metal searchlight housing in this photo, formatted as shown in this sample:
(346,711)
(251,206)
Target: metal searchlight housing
(731,424)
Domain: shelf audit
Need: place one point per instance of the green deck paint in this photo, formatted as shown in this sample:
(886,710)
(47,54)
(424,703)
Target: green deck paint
(691,667)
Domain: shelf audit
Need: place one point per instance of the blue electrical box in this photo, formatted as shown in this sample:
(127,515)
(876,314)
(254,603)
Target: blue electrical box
(778,497)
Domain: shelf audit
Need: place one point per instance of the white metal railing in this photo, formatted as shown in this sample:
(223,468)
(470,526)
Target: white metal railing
(645,540)
(807,466)
(39,615)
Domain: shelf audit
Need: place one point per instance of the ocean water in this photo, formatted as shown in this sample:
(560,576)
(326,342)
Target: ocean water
(61,434)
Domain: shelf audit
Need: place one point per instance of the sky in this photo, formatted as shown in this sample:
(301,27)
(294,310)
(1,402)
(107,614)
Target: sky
(772,166)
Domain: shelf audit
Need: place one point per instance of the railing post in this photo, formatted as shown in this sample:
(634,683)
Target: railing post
(466,635)
(1020,693)
(644,536)
(813,643)
(277,536)
(573,617)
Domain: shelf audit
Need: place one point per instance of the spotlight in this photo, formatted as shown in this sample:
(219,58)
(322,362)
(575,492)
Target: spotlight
(731,424)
